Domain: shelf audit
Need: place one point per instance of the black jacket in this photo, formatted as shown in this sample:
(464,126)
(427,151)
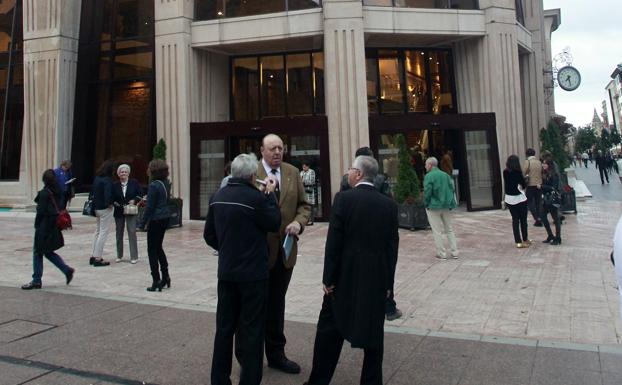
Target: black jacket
(132,191)
(102,192)
(158,195)
(47,236)
(381,183)
(359,260)
(238,221)
(512,179)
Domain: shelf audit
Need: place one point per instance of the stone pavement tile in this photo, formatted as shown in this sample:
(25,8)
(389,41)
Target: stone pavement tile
(448,347)
(430,369)
(593,331)
(60,378)
(551,358)
(611,362)
(506,320)
(24,328)
(17,374)
(558,376)
(547,325)
(612,378)
(500,364)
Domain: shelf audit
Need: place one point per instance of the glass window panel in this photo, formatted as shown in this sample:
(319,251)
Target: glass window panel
(391,88)
(272,86)
(463,4)
(306,150)
(17,75)
(104,66)
(245,88)
(382,3)
(416,80)
(440,72)
(104,18)
(212,159)
(421,3)
(299,84)
(293,5)
(318,81)
(237,8)
(131,43)
(479,158)
(134,18)
(371,68)
(4,72)
(209,9)
(133,64)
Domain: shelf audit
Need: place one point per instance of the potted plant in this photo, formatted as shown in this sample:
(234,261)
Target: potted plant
(407,192)
(175,204)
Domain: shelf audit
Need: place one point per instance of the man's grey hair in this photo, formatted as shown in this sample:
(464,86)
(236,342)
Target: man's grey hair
(368,166)
(432,161)
(244,166)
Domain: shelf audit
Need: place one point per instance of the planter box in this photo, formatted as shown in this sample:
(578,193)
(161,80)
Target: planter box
(569,202)
(412,216)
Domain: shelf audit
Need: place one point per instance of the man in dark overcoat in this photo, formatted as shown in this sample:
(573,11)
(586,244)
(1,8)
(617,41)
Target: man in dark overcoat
(359,266)
(239,218)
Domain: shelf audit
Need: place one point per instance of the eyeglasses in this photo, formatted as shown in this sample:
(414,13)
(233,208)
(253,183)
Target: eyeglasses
(354,169)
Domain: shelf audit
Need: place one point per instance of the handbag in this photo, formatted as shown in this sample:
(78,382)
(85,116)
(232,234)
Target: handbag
(130,209)
(527,174)
(63,220)
(89,208)
(551,199)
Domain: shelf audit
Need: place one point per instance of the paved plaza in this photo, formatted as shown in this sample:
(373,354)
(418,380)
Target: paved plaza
(497,315)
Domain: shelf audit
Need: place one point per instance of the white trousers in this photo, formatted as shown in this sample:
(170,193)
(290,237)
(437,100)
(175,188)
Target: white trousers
(440,222)
(104,221)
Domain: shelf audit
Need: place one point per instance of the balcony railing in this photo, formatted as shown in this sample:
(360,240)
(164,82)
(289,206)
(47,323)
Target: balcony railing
(439,4)
(218,9)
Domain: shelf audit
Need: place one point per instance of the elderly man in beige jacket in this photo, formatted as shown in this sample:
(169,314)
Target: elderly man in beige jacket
(532,170)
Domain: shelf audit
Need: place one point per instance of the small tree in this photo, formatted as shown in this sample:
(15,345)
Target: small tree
(585,139)
(159,150)
(551,139)
(407,189)
(604,142)
(615,137)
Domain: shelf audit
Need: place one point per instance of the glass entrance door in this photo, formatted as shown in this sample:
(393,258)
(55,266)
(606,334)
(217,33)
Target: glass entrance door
(214,144)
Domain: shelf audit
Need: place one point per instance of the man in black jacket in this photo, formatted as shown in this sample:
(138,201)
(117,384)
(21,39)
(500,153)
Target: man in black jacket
(239,218)
(601,165)
(359,266)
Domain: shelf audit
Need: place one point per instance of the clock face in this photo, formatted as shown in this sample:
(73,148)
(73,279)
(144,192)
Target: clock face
(568,78)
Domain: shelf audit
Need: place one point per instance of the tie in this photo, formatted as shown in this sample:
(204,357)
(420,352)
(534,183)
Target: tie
(277,190)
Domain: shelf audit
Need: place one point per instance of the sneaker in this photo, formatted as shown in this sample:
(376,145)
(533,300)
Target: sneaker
(454,256)
(395,315)
(134,261)
(441,257)
(522,245)
(119,260)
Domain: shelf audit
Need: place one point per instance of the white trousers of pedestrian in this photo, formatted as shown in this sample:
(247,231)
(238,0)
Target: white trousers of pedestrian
(104,221)
(440,222)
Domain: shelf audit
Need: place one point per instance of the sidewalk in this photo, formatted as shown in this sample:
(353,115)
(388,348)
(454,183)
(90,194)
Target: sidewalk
(554,309)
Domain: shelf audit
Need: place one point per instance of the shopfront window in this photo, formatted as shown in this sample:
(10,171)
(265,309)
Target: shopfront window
(115,95)
(217,9)
(427,75)
(11,89)
(277,86)
(451,4)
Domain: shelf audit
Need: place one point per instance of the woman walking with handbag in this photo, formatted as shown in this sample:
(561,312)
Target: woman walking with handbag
(515,200)
(125,194)
(102,202)
(155,220)
(48,237)
(551,201)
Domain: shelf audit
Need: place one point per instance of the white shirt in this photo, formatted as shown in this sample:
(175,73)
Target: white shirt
(364,182)
(269,169)
(123,188)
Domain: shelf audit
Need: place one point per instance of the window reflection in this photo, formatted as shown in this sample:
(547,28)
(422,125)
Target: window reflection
(299,84)
(416,81)
(318,82)
(453,4)
(245,88)
(372,84)
(391,89)
(417,143)
(442,97)
(216,9)
(272,86)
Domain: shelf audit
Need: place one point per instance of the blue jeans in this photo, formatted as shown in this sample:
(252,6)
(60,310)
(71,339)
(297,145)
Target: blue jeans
(37,265)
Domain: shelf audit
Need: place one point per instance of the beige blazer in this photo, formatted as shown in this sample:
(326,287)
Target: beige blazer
(294,207)
(533,167)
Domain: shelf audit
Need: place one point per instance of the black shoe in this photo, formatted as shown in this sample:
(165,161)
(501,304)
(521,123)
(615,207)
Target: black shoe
(157,285)
(537,224)
(556,241)
(30,286)
(285,366)
(69,275)
(548,240)
(166,282)
(98,262)
(395,315)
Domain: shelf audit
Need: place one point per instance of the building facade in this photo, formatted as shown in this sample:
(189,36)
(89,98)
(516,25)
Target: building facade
(108,78)
(614,90)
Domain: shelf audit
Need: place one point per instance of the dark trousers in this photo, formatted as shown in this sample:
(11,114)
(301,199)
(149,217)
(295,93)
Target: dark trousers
(37,265)
(157,257)
(241,311)
(585,162)
(555,216)
(275,316)
(390,306)
(519,216)
(534,200)
(602,171)
(327,349)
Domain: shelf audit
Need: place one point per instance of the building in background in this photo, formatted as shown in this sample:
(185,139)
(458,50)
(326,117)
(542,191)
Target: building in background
(107,78)
(614,90)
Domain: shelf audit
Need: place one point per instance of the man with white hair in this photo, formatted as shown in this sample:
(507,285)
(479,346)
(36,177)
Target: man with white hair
(239,219)
(438,190)
(359,266)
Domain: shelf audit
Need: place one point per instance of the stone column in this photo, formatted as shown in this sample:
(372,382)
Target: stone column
(51,32)
(173,89)
(344,84)
(488,76)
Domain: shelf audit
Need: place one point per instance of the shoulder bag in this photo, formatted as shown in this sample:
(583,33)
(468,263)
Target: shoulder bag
(89,208)
(63,220)
(527,173)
